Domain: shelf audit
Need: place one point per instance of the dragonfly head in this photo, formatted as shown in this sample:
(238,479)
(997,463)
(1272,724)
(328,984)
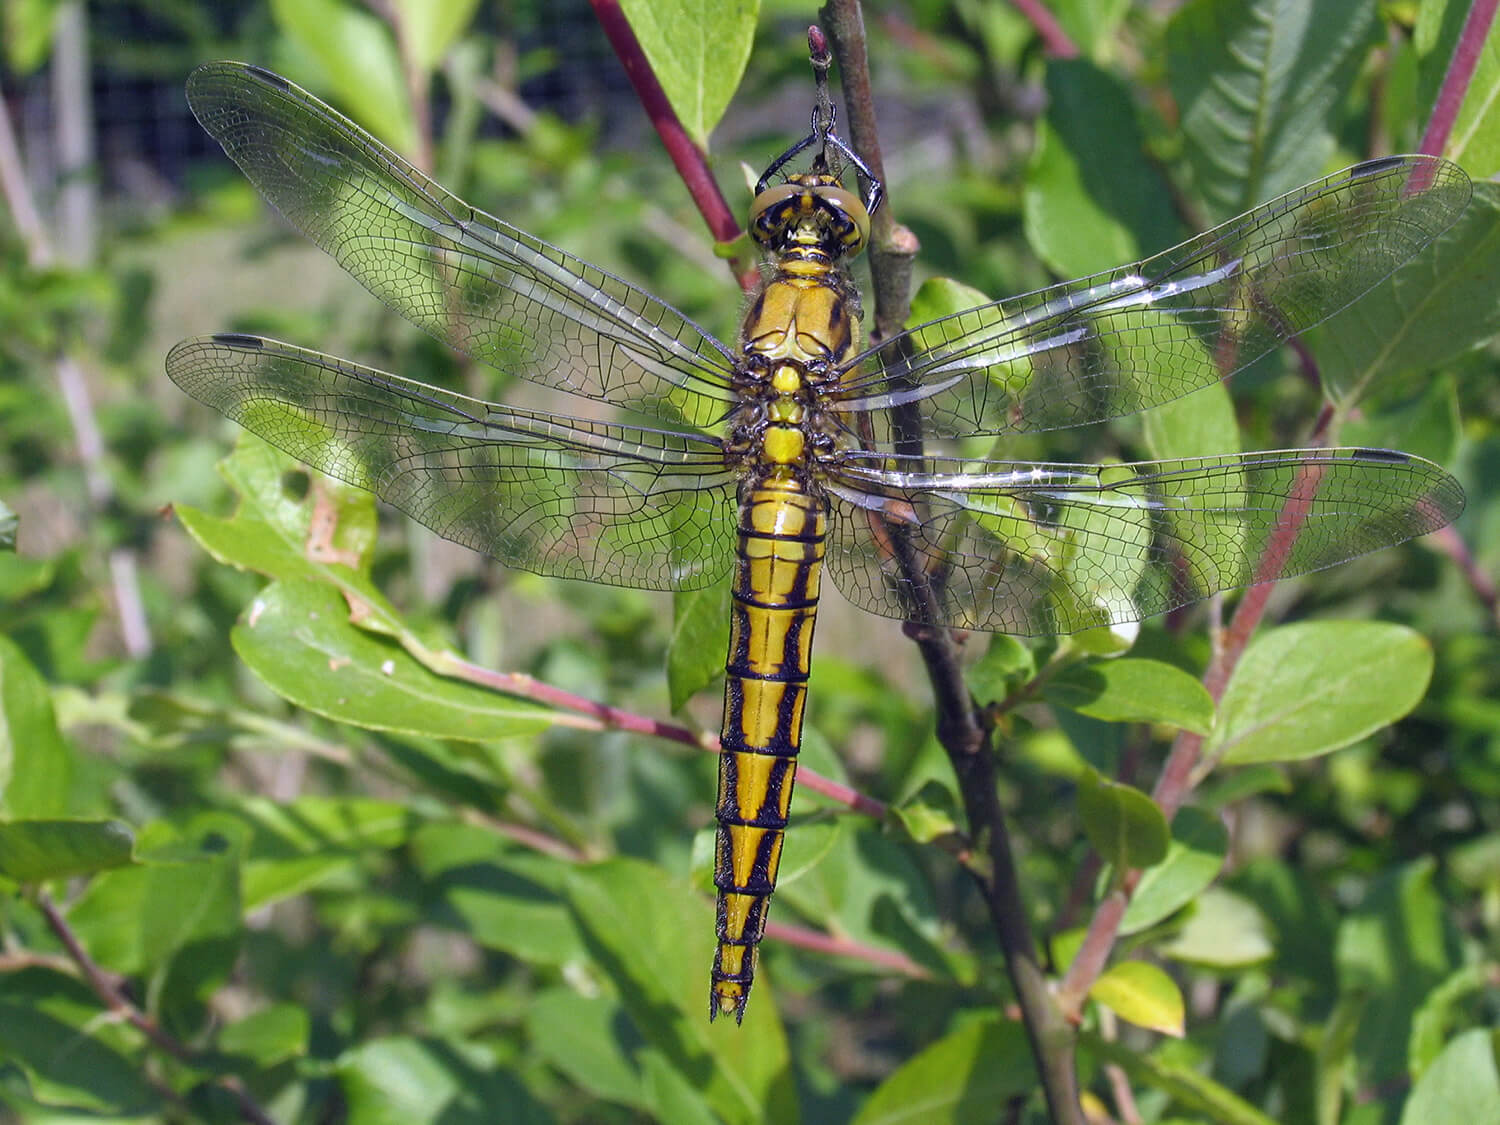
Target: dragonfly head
(812,209)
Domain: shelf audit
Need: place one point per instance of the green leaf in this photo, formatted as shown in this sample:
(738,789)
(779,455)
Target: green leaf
(1134,691)
(942,296)
(36,765)
(501,909)
(865,887)
(1424,316)
(1249,781)
(700,637)
(1092,24)
(929,814)
(297,638)
(32,851)
(428,29)
(672,1093)
(1193,861)
(579,1036)
(360,60)
(52,1029)
(1006,663)
(408,1081)
(1392,952)
(1125,826)
(506,897)
(1299,912)
(1092,200)
(1201,424)
(1183,1082)
(21,577)
(653,935)
(1440,1012)
(270,1036)
(293,524)
(304,842)
(1142,994)
(959,1080)
(698,50)
(28,33)
(1223,931)
(183,890)
(8,524)
(1461,1085)
(1258,86)
(1304,690)
(1427,425)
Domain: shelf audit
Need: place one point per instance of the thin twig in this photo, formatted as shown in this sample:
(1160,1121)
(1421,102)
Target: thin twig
(961,729)
(817,942)
(593,715)
(108,991)
(893,248)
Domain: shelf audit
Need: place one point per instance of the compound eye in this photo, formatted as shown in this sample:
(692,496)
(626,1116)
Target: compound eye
(845,204)
(768,212)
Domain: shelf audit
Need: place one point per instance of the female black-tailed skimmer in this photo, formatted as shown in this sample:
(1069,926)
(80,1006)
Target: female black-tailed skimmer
(798,447)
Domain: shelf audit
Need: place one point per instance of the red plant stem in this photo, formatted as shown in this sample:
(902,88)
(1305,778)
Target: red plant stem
(817,942)
(1055,40)
(109,994)
(1450,96)
(1176,782)
(1451,543)
(604,716)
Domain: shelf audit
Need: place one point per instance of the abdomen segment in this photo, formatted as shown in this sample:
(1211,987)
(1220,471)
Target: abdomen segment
(775,601)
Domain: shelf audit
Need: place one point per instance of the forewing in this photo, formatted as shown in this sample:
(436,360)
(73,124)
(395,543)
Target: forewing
(1055,548)
(560,496)
(493,292)
(1145,334)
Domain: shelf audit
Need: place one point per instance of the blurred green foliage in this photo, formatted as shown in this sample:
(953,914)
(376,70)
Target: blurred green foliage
(425,901)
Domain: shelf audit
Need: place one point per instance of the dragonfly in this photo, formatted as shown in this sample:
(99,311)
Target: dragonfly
(802,447)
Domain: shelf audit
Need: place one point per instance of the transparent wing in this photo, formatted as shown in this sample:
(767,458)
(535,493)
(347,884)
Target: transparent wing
(493,292)
(559,496)
(1055,548)
(1144,334)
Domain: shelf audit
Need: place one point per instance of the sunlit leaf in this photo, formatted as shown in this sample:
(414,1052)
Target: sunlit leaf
(358,54)
(1223,931)
(296,636)
(1308,689)
(1134,691)
(1461,1085)
(698,50)
(36,765)
(1142,994)
(1193,861)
